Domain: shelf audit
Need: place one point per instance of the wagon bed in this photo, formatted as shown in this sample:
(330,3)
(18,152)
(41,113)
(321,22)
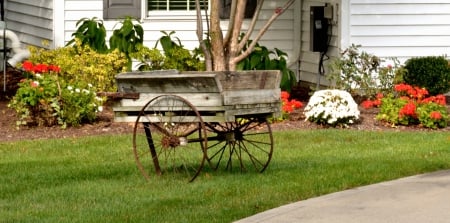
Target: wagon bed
(218,96)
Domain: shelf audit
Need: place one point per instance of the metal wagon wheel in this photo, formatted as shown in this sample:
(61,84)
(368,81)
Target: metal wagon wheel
(174,138)
(246,144)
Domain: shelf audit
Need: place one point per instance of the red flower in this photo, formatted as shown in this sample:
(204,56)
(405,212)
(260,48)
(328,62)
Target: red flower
(296,104)
(41,68)
(287,108)
(367,104)
(28,66)
(435,115)
(408,110)
(376,103)
(285,95)
(54,68)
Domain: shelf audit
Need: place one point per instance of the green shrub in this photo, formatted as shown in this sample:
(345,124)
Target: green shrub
(432,73)
(363,74)
(45,98)
(83,64)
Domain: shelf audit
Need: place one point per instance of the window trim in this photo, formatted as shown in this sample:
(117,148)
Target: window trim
(170,14)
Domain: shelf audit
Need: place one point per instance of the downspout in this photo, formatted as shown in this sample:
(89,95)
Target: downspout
(294,59)
(19,54)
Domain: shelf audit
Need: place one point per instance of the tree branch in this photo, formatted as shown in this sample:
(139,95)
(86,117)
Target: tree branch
(278,11)
(252,25)
(231,20)
(203,46)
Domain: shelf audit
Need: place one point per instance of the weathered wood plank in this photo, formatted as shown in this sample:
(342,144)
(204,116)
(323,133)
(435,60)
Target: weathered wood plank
(133,118)
(196,99)
(250,80)
(235,97)
(167,82)
(118,95)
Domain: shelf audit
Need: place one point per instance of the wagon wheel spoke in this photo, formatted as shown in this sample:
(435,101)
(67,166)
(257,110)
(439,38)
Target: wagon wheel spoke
(244,144)
(173,138)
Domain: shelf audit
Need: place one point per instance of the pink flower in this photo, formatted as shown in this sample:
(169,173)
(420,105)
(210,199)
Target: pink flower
(34,84)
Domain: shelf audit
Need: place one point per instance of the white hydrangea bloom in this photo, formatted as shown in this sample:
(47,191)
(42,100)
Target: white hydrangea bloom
(332,107)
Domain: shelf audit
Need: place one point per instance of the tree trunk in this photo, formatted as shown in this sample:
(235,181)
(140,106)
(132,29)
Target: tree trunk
(227,52)
(233,47)
(216,36)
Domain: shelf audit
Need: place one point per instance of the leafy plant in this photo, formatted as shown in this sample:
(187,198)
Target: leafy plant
(90,32)
(44,98)
(128,39)
(361,73)
(263,59)
(410,106)
(176,56)
(149,59)
(81,63)
(432,73)
(332,107)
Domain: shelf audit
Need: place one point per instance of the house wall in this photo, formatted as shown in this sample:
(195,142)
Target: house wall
(309,61)
(31,20)
(280,35)
(398,28)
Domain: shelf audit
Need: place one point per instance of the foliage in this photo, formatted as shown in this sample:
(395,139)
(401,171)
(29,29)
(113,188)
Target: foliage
(149,59)
(45,98)
(263,59)
(361,73)
(90,32)
(432,73)
(332,107)
(128,39)
(80,63)
(176,56)
(410,106)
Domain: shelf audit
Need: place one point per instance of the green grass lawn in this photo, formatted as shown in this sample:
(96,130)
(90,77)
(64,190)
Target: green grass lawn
(95,179)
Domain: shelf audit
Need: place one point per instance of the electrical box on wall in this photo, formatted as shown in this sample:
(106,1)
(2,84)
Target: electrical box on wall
(319,28)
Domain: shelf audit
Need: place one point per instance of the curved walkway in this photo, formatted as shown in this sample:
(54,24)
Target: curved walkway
(421,198)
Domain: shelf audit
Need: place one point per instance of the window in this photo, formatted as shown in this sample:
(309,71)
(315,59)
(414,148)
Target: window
(226,8)
(175,5)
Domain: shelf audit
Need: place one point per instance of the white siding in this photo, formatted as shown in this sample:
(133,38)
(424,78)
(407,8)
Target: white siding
(400,28)
(280,34)
(31,20)
(309,61)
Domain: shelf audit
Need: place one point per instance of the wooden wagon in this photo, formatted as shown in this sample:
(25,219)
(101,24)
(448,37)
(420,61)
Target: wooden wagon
(184,120)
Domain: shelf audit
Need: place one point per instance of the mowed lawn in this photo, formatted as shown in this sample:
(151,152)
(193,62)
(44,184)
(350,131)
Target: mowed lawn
(95,179)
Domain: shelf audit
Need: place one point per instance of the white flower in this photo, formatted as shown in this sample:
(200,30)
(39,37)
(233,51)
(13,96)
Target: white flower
(85,91)
(70,88)
(89,85)
(332,107)
(100,108)
(77,90)
(38,75)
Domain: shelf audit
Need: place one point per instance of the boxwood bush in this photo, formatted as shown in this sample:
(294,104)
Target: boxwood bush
(432,73)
